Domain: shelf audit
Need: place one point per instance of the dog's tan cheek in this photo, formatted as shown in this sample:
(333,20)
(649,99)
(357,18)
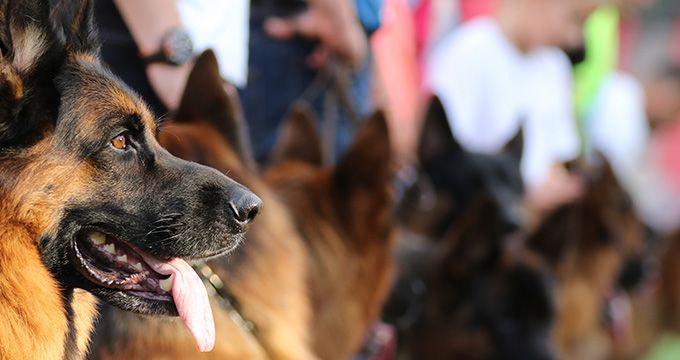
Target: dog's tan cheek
(47,188)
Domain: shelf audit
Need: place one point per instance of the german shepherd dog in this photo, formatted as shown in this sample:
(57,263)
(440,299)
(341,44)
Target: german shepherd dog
(450,182)
(486,297)
(483,297)
(344,214)
(312,275)
(586,245)
(91,203)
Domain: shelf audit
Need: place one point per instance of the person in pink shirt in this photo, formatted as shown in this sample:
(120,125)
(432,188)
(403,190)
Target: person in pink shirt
(470,9)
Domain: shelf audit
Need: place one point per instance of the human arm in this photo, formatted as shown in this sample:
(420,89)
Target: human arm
(148,21)
(333,22)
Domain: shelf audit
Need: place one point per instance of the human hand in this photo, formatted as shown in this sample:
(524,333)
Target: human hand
(333,22)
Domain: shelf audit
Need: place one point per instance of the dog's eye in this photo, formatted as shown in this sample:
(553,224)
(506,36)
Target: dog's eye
(120,142)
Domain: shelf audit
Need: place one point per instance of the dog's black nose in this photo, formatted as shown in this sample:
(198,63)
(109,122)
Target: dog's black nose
(245,207)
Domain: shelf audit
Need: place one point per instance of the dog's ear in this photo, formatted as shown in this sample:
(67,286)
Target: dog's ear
(75,20)
(207,97)
(586,220)
(605,191)
(437,137)
(31,56)
(362,179)
(299,138)
(515,147)
(369,158)
(28,39)
(204,92)
(11,94)
(603,176)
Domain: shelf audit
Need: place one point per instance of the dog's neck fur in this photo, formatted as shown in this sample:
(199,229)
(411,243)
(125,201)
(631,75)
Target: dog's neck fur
(43,319)
(32,305)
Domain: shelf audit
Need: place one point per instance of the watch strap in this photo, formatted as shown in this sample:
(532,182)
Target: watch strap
(157,57)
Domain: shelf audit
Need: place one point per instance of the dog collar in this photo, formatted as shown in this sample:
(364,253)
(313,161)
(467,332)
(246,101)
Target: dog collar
(219,290)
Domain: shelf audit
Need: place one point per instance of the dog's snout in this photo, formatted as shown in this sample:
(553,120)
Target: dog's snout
(245,207)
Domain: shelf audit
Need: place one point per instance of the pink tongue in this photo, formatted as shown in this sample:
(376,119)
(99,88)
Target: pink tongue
(191,299)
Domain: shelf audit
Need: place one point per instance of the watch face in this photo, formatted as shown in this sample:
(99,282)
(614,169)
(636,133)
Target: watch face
(177,47)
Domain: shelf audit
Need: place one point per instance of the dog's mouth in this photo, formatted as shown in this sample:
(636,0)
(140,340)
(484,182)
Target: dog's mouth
(113,264)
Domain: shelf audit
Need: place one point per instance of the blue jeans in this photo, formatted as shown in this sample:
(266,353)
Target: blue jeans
(278,75)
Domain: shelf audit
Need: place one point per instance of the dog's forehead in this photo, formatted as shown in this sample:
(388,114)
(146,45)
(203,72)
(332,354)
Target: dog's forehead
(91,93)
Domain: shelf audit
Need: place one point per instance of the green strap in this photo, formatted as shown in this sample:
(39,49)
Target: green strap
(602,47)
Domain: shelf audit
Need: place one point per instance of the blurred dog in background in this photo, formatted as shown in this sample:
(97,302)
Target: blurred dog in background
(470,265)
(344,213)
(587,244)
(482,283)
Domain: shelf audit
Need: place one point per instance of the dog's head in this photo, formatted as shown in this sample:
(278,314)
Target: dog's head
(451,179)
(111,211)
(344,212)
(603,217)
(354,195)
(484,298)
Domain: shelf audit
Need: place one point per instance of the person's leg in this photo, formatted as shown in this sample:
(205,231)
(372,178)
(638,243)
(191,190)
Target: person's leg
(277,76)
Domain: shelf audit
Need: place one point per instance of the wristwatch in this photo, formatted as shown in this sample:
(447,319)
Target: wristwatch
(175,48)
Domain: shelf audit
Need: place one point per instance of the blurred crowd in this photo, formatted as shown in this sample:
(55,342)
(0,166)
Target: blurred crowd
(583,83)
(602,89)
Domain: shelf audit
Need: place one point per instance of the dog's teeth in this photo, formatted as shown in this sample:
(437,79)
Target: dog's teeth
(166,284)
(138,266)
(96,237)
(110,248)
(122,258)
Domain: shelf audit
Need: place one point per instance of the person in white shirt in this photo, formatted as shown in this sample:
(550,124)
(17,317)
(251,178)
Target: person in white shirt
(497,74)
(223,27)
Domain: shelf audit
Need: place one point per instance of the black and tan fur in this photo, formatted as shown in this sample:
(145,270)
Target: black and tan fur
(61,176)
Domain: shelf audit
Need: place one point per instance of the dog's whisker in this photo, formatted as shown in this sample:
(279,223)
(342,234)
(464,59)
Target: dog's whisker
(160,229)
